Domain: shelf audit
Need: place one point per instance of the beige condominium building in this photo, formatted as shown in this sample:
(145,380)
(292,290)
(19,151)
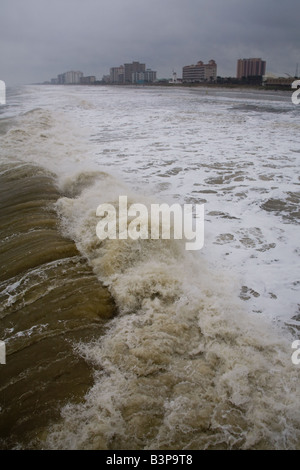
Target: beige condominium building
(200,72)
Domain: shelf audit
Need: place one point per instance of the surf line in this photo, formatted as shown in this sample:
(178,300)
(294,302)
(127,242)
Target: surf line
(132,222)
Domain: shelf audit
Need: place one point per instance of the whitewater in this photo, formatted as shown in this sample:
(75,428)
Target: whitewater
(198,355)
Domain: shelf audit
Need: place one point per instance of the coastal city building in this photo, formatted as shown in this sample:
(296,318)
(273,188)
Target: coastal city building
(250,68)
(117,74)
(129,69)
(134,73)
(73,78)
(61,79)
(106,80)
(90,80)
(69,78)
(200,72)
(149,76)
(270,81)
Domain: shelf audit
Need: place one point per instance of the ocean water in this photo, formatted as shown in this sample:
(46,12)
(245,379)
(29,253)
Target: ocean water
(141,344)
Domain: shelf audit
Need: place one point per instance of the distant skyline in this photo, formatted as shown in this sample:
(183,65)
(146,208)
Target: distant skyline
(40,39)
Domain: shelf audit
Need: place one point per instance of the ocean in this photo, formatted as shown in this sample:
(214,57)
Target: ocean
(141,344)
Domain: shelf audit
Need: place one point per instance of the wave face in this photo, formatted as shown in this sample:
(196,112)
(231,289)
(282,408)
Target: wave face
(50,298)
(153,347)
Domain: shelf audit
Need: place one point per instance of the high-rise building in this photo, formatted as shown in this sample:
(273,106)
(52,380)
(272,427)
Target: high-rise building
(200,72)
(117,74)
(129,69)
(69,78)
(250,68)
(134,73)
(73,78)
(149,76)
(61,79)
(90,80)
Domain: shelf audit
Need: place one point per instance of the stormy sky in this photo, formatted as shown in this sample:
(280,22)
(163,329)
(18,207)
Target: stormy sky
(42,38)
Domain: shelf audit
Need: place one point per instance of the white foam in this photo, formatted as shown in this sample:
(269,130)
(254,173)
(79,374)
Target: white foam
(183,355)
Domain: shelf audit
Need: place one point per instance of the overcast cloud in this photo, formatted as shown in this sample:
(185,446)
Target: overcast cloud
(42,38)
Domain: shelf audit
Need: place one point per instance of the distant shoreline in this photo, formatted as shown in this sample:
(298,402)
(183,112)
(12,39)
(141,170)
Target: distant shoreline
(229,86)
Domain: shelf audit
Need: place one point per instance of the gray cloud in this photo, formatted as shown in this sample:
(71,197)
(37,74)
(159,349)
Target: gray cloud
(39,39)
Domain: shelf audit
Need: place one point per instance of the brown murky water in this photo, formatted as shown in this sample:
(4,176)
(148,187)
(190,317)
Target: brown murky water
(50,300)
